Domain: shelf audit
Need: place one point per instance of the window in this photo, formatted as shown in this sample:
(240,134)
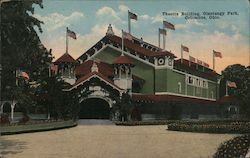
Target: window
(190,80)
(197,82)
(179,87)
(212,94)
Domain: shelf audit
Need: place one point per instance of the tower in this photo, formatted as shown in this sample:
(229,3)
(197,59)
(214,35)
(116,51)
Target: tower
(66,68)
(122,73)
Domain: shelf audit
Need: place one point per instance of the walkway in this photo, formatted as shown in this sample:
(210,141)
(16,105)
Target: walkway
(102,139)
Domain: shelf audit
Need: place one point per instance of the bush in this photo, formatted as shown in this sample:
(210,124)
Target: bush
(236,147)
(4,119)
(211,126)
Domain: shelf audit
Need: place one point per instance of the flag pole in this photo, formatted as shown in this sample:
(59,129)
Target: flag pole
(122,43)
(181,54)
(129,27)
(159,39)
(164,38)
(67,40)
(226,88)
(213,62)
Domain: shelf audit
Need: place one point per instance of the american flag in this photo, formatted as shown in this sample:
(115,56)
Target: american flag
(127,36)
(168,25)
(71,34)
(132,15)
(217,54)
(231,84)
(192,59)
(162,31)
(186,49)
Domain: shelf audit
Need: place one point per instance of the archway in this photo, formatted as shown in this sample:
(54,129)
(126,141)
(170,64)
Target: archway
(94,108)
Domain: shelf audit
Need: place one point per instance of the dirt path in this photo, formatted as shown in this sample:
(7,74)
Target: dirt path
(98,139)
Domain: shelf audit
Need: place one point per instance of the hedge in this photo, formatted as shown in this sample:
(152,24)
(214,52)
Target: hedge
(189,122)
(236,147)
(212,127)
(36,127)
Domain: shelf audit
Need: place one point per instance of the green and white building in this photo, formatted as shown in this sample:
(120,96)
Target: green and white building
(161,85)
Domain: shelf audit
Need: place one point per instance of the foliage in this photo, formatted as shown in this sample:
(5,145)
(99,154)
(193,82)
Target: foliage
(51,95)
(241,76)
(212,127)
(4,119)
(236,147)
(21,48)
(124,106)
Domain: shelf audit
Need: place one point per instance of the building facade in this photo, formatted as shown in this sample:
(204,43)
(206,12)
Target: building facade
(161,85)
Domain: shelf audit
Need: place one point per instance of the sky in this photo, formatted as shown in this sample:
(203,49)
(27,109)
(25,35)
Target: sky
(228,34)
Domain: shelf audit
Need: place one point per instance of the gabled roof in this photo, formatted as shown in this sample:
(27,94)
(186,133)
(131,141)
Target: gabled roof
(66,58)
(169,98)
(122,60)
(94,74)
(137,48)
(191,68)
(103,68)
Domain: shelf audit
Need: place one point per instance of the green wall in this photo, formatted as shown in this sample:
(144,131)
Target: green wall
(166,80)
(108,55)
(173,78)
(141,70)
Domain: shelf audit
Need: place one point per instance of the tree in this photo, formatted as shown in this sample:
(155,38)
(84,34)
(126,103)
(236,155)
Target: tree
(241,76)
(21,47)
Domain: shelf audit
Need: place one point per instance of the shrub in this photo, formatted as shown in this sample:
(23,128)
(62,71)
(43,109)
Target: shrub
(212,127)
(236,147)
(4,119)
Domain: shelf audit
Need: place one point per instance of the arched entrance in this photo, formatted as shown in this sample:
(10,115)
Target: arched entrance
(94,108)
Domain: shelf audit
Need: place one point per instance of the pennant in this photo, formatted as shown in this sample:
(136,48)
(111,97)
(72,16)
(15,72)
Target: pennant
(168,25)
(205,64)
(231,84)
(127,36)
(217,54)
(184,48)
(192,59)
(71,34)
(162,31)
(199,62)
(132,15)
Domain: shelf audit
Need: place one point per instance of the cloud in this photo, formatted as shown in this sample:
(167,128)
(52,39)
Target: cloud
(157,18)
(106,11)
(55,20)
(123,8)
(81,44)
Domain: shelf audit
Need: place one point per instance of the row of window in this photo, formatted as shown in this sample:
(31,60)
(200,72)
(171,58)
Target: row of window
(198,90)
(198,82)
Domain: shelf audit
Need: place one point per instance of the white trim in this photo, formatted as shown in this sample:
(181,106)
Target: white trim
(120,90)
(169,93)
(97,52)
(144,61)
(133,56)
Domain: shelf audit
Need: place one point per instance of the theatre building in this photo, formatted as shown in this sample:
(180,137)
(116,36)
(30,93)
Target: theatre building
(161,85)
